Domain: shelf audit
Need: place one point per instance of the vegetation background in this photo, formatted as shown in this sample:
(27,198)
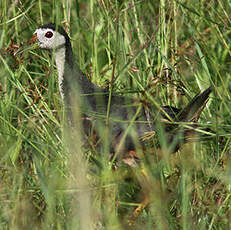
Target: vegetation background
(170,49)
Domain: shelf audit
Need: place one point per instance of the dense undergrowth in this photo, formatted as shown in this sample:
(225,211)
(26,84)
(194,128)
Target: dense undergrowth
(162,51)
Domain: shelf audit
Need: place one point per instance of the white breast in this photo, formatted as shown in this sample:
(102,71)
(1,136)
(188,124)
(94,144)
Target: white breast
(59,60)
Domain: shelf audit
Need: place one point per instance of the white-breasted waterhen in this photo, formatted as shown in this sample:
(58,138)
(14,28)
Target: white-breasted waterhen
(128,121)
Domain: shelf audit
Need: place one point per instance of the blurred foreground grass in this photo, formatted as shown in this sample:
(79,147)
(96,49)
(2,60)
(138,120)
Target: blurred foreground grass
(170,49)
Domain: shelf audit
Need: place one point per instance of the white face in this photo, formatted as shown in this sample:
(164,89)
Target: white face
(49,39)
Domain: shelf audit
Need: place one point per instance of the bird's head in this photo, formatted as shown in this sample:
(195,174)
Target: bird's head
(50,37)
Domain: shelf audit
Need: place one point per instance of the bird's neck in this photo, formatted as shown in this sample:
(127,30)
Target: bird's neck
(60,56)
(70,77)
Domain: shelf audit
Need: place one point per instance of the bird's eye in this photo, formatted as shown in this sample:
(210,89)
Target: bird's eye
(49,34)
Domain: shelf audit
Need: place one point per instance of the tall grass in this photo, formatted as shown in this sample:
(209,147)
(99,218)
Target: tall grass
(169,49)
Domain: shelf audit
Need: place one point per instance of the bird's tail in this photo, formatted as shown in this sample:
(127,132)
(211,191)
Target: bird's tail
(192,111)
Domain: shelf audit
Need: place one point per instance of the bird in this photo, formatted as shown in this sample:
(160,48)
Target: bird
(128,121)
